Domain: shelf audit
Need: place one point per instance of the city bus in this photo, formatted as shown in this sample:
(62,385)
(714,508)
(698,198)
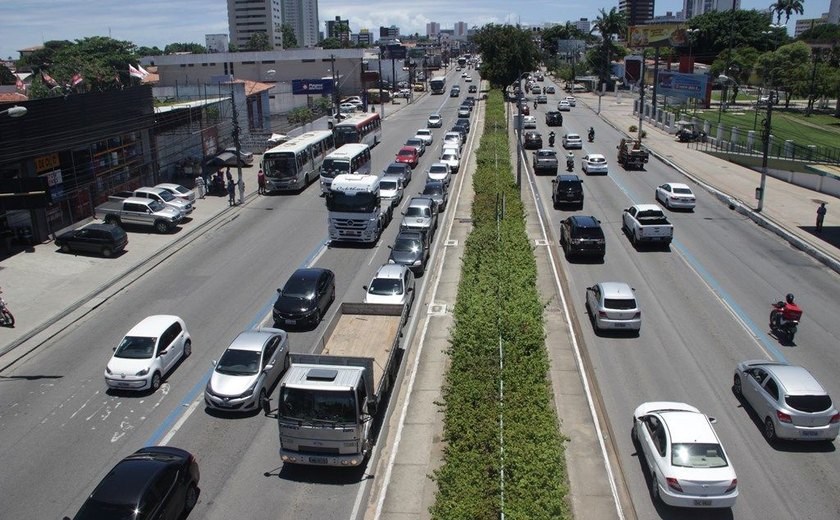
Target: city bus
(350,158)
(291,166)
(361,128)
(438,84)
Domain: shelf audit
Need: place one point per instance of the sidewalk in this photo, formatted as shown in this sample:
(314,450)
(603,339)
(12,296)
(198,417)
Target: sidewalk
(789,210)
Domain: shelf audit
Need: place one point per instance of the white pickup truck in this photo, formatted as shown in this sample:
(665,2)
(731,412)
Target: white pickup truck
(647,223)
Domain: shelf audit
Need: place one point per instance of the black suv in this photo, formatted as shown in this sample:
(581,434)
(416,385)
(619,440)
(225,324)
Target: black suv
(582,235)
(553,118)
(567,189)
(533,140)
(105,239)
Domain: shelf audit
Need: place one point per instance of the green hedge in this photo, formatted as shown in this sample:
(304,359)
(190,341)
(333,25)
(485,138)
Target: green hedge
(498,295)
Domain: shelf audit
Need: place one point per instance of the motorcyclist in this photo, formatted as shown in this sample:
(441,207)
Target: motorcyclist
(591,134)
(789,311)
(570,161)
(551,139)
(535,104)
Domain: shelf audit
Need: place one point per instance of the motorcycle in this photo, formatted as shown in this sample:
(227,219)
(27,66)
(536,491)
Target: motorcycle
(6,317)
(551,140)
(591,137)
(781,325)
(570,165)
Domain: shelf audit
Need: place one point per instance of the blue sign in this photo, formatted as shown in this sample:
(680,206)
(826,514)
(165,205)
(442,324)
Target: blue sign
(312,87)
(682,85)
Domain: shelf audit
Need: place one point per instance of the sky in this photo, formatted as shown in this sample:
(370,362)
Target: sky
(26,23)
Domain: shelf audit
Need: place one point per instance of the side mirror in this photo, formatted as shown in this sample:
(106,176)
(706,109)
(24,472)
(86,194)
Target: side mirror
(279,290)
(712,420)
(410,289)
(114,349)
(365,287)
(269,367)
(213,362)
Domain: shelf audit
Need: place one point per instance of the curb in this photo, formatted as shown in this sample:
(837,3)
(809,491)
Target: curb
(741,207)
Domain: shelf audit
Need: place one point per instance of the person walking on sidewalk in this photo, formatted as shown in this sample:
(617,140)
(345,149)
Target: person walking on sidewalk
(231,189)
(260,183)
(227,174)
(821,217)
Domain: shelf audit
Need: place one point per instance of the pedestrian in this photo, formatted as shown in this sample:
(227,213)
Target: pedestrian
(227,174)
(261,182)
(820,217)
(231,189)
(200,186)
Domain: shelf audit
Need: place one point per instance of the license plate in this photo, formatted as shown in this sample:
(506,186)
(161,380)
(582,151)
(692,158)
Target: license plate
(809,434)
(620,325)
(123,384)
(290,322)
(701,502)
(317,460)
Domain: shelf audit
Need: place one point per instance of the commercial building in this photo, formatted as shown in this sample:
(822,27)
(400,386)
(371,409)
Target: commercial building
(302,16)
(583,25)
(255,16)
(638,11)
(692,8)
(389,33)
(432,29)
(834,12)
(363,37)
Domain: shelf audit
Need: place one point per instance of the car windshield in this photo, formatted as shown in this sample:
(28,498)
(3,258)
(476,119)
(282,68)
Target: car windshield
(94,508)
(299,288)
(439,169)
(407,153)
(408,245)
(181,189)
(388,185)
(333,167)
(311,405)
(546,153)
(352,202)
(156,205)
(619,303)
(682,191)
(414,142)
(433,189)
(136,347)
(395,168)
(572,137)
(448,157)
(386,287)
(698,455)
(167,196)
(414,211)
(597,160)
(809,403)
(239,363)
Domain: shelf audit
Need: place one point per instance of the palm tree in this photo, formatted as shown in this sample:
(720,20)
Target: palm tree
(609,25)
(788,8)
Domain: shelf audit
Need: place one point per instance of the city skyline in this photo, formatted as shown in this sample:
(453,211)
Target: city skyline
(156,23)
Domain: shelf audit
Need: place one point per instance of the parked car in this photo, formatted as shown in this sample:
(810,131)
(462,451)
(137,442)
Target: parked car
(438,191)
(594,163)
(418,143)
(567,189)
(347,107)
(434,121)
(564,106)
(156,482)
(401,169)
(687,463)
(532,140)
(246,158)
(581,235)
(105,239)
(788,400)
(247,371)
(613,305)
(529,122)
(391,189)
(411,249)
(572,141)
(408,155)
(426,135)
(392,283)
(675,195)
(181,192)
(451,159)
(305,297)
(147,353)
(139,211)
(164,196)
(553,118)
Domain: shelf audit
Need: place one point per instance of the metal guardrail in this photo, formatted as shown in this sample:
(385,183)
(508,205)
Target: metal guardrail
(778,149)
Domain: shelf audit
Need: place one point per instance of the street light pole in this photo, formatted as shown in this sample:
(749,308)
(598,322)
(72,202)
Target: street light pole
(641,96)
(725,90)
(239,181)
(765,150)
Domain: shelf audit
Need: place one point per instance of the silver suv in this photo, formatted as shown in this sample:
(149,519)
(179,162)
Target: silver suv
(420,215)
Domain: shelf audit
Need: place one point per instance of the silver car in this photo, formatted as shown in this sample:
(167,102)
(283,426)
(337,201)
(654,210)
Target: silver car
(248,370)
(391,189)
(613,305)
(790,402)
(392,283)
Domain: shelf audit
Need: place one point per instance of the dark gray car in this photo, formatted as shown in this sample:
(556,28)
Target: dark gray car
(438,191)
(411,249)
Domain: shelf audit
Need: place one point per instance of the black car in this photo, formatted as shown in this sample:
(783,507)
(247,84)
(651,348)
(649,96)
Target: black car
(105,239)
(553,118)
(455,92)
(469,100)
(461,130)
(401,169)
(582,235)
(567,189)
(533,140)
(465,104)
(465,121)
(411,249)
(157,482)
(472,89)
(305,297)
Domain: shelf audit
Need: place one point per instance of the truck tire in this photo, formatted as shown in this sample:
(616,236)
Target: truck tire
(161,227)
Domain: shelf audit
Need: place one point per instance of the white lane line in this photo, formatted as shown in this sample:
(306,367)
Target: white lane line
(177,426)
(578,358)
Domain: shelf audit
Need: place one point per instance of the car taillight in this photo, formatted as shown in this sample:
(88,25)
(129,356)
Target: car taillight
(673,484)
(732,486)
(835,418)
(783,417)
(638,315)
(602,314)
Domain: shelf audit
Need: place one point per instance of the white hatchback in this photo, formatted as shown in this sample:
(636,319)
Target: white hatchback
(426,135)
(613,305)
(594,163)
(564,106)
(147,353)
(453,137)
(450,158)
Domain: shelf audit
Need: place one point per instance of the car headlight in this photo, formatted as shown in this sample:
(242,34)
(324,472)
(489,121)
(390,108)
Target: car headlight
(418,262)
(142,372)
(249,391)
(108,370)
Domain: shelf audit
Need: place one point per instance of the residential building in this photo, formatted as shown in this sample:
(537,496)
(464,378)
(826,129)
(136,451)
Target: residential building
(302,16)
(363,37)
(583,25)
(834,12)
(803,24)
(460,30)
(432,29)
(638,11)
(338,28)
(692,8)
(255,16)
(216,42)
(389,33)
(668,17)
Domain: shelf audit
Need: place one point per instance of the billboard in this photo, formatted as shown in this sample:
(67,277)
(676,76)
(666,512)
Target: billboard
(657,35)
(632,69)
(677,84)
(312,87)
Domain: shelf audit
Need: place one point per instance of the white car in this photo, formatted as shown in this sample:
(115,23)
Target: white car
(529,121)
(439,172)
(181,192)
(147,353)
(452,146)
(571,100)
(686,461)
(451,159)
(465,75)
(572,141)
(468,79)
(248,370)
(347,107)
(245,157)
(391,189)
(434,121)
(426,135)
(564,106)
(676,195)
(613,305)
(594,163)
(453,137)
(392,283)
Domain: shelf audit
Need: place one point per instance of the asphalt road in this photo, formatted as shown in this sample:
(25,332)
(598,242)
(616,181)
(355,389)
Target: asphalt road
(61,430)
(705,304)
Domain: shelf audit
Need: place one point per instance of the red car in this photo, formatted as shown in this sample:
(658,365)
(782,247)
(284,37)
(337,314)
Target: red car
(408,155)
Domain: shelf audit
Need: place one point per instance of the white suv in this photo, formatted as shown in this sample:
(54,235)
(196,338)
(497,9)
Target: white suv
(147,352)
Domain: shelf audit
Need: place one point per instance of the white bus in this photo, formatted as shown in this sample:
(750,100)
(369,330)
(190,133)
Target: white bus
(350,158)
(438,84)
(294,164)
(361,128)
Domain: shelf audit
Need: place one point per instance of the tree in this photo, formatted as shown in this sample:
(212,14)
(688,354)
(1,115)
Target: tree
(741,67)
(259,42)
(787,68)
(786,7)
(506,52)
(743,28)
(6,76)
(43,57)
(289,38)
(331,43)
(608,25)
(193,48)
(99,59)
(149,51)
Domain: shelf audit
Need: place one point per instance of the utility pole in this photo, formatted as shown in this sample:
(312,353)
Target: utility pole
(725,90)
(641,96)
(334,83)
(239,181)
(381,98)
(655,74)
(768,126)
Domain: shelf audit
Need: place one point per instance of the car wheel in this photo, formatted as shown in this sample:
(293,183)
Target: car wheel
(769,430)
(654,488)
(263,397)
(65,248)
(316,317)
(155,381)
(736,386)
(187,349)
(161,227)
(191,499)
(107,252)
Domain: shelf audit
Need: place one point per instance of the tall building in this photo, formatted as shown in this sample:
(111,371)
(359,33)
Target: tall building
(389,33)
(461,29)
(638,11)
(432,29)
(803,24)
(255,16)
(302,16)
(338,28)
(834,12)
(692,8)
(583,25)
(364,37)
